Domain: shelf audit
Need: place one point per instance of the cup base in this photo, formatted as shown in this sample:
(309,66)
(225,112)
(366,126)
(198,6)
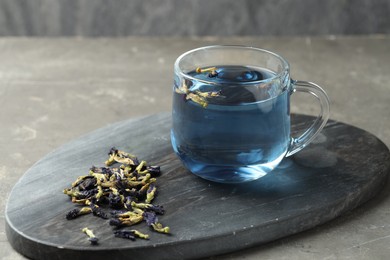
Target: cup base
(223,174)
(230,174)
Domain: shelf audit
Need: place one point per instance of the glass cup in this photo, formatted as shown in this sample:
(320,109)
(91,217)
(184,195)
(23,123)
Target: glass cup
(231,112)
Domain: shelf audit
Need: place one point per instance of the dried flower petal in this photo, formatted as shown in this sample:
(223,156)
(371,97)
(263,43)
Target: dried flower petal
(115,222)
(159,228)
(198,97)
(140,235)
(78,212)
(98,212)
(125,234)
(128,221)
(92,238)
(115,201)
(154,170)
(151,192)
(88,183)
(116,155)
(72,214)
(150,218)
(130,234)
(156,208)
(127,203)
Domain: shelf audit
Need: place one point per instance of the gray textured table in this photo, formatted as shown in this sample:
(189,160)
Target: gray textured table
(54,90)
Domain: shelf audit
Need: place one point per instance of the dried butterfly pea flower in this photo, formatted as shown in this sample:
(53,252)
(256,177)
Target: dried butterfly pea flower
(126,214)
(118,176)
(87,184)
(130,234)
(99,194)
(145,179)
(151,192)
(126,221)
(143,190)
(104,170)
(209,94)
(100,177)
(116,155)
(156,208)
(125,234)
(131,183)
(150,218)
(80,194)
(71,192)
(140,235)
(80,201)
(78,212)
(138,211)
(127,203)
(92,238)
(210,69)
(115,201)
(134,193)
(114,191)
(160,228)
(108,184)
(196,96)
(98,212)
(80,179)
(115,213)
(141,168)
(197,99)
(113,151)
(119,188)
(116,222)
(154,170)
(86,194)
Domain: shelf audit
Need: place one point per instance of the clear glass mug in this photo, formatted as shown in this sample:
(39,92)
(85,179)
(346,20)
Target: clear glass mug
(231,112)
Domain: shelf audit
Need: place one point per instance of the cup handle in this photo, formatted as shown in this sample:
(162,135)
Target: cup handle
(302,141)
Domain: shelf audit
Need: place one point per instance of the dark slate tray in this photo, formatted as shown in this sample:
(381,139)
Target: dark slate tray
(343,168)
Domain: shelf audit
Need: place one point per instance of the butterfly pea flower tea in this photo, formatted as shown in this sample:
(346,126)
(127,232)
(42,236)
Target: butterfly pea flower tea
(231,112)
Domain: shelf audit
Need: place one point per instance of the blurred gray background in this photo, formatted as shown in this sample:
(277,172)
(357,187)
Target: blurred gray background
(112,18)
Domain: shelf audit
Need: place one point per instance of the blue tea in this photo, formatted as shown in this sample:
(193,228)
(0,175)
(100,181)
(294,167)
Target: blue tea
(230,123)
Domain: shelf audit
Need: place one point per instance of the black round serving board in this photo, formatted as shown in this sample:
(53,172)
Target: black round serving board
(344,167)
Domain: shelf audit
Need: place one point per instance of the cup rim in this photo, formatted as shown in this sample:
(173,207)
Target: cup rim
(286,65)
